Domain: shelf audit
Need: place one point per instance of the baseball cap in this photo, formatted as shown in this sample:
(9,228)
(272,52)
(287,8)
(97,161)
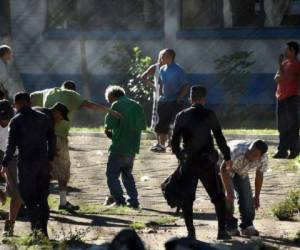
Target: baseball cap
(6,110)
(62,109)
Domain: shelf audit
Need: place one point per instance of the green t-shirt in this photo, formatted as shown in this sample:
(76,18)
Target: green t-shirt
(126,132)
(49,97)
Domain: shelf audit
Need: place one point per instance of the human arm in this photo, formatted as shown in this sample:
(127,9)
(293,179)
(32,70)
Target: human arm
(259,178)
(219,137)
(147,74)
(11,144)
(99,108)
(225,177)
(279,74)
(183,92)
(176,137)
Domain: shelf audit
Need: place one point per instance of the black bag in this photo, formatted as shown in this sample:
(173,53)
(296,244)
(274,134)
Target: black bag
(171,189)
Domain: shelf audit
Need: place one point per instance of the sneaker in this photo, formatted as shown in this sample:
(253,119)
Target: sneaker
(8,228)
(109,200)
(250,231)
(280,155)
(158,148)
(293,155)
(69,207)
(117,204)
(223,235)
(133,206)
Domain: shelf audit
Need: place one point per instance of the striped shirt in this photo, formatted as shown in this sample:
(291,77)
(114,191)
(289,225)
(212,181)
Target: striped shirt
(241,165)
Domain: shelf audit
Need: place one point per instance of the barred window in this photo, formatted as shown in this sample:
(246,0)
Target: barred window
(105,14)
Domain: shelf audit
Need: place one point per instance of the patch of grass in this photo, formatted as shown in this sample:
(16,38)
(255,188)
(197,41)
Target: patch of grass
(297,237)
(137,225)
(87,129)
(287,209)
(161,221)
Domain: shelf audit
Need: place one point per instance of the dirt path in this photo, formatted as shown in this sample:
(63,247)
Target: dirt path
(88,186)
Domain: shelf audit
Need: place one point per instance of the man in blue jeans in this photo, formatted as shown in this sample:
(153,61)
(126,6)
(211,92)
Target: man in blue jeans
(126,135)
(245,156)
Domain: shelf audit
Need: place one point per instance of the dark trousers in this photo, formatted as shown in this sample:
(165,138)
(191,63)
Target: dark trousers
(211,181)
(34,182)
(121,165)
(288,124)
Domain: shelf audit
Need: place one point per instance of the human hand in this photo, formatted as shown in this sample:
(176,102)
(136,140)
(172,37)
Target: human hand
(228,165)
(115,114)
(256,202)
(280,59)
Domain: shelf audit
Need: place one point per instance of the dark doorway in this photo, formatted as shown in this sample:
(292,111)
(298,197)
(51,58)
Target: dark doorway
(4,18)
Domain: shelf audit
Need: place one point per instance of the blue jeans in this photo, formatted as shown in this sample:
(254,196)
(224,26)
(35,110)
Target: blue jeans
(245,200)
(121,165)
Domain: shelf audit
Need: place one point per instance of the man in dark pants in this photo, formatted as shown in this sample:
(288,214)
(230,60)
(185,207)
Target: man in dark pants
(198,158)
(32,133)
(288,80)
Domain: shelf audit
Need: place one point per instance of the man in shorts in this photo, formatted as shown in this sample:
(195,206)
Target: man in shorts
(6,113)
(67,95)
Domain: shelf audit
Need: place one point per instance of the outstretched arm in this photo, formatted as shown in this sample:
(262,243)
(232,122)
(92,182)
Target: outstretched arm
(259,178)
(100,108)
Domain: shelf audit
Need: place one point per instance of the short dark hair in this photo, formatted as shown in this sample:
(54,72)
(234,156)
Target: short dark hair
(198,92)
(294,46)
(69,84)
(115,91)
(171,53)
(22,97)
(261,146)
(4,49)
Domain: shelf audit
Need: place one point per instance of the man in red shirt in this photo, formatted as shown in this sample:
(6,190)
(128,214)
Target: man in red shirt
(288,80)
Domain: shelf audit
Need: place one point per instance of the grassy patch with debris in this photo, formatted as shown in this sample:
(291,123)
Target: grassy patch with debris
(288,208)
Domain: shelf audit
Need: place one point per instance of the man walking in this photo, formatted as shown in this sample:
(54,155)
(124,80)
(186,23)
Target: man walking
(126,135)
(73,101)
(32,134)
(245,156)
(174,88)
(11,188)
(288,80)
(198,158)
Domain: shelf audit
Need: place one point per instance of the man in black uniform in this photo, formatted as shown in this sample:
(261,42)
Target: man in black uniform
(198,158)
(32,133)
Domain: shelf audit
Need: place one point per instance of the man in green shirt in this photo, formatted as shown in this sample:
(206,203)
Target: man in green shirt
(67,95)
(126,135)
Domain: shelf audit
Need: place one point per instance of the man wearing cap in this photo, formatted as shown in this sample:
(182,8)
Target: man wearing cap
(67,95)
(11,188)
(198,158)
(31,132)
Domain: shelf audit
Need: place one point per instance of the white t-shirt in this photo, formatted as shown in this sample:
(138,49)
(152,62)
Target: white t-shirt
(3,138)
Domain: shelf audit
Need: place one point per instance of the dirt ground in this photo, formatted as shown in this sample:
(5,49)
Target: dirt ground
(88,187)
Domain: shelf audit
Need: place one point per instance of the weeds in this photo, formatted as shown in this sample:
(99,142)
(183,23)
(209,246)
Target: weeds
(297,237)
(287,209)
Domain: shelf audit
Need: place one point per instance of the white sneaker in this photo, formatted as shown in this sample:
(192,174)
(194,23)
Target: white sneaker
(250,231)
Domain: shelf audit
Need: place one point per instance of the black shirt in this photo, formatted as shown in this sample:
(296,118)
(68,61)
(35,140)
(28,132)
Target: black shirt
(194,126)
(32,133)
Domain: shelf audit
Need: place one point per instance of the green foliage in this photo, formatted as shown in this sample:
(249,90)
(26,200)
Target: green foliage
(130,63)
(297,237)
(137,225)
(287,209)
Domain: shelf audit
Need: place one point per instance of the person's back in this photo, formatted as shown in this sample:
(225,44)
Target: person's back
(31,128)
(130,126)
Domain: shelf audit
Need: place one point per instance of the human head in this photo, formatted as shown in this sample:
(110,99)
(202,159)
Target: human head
(168,56)
(6,113)
(60,112)
(113,93)
(21,100)
(5,53)
(70,85)
(198,94)
(291,50)
(126,239)
(256,150)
